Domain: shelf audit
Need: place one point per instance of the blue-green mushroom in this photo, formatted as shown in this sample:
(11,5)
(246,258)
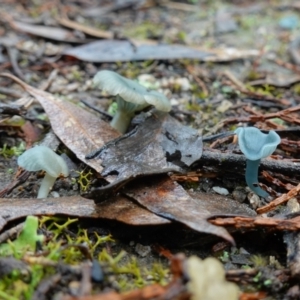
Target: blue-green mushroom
(256,145)
(43,158)
(130,96)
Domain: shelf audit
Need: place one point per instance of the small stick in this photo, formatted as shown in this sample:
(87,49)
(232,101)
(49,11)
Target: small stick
(280,200)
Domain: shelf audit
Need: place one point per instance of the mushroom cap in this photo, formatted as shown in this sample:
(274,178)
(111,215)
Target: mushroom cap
(256,144)
(130,91)
(43,158)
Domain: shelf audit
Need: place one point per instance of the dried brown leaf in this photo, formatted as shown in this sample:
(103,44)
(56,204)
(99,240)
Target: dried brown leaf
(160,144)
(48,32)
(81,131)
(96,32)
(70,206)
(123,50)
(122,209)
(168,199)
(118,208)
(256,222)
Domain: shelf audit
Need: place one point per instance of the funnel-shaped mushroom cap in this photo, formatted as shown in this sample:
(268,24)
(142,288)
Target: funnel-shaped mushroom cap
(130,91)
(43,158)
(255,144)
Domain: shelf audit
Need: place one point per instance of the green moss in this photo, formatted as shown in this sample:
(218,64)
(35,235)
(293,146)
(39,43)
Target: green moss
(193,107)
(296,88)
(266,89)
(145,30)
(69,244)
(76,75)
(26,241)
(129,274)
(225,257)
(258,261)
(12,151)
(84,180)
(253,75)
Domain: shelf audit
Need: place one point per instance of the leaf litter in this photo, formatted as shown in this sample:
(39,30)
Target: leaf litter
(256,97)
(182,149)
(80,130)
(158,195)
(160,144)
(118,50)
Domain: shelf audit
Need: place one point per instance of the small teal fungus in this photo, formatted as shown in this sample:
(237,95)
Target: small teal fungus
(130,96)
(43,158)
(256,145)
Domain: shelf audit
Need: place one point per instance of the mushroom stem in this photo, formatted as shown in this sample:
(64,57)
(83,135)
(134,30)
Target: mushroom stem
(252,177)
(46,185)
(121,121)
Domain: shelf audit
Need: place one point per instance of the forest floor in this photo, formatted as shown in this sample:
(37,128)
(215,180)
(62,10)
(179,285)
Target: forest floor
(232,64)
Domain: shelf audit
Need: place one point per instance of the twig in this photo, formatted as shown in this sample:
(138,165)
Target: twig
(256,222)
(179,6)
(200,82)
(11,92)
(280,200)
(44,86)
(65,21)
(283,114)
(233,161)
(11,233)
(22,177)
(241,87)
(13,54)
(11,109)
(100,111)
(286,65)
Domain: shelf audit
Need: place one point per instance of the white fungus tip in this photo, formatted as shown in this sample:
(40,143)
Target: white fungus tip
(43,158)
(130,91)
(116,84)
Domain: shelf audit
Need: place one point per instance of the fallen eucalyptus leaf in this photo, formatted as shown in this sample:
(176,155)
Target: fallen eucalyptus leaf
(48,32)
(79,130)
(158,145)
(168,199)
(70,206)
(119,208)
(123,50)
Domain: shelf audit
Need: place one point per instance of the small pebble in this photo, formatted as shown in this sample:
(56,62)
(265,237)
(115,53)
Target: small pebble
(224,22)
(224,106)
(293,205)
(174,101)
(183,83)
(141,250)
(243,251)
(55,194)
(220,190)
(206,184)
(239,194)
(149,277)
(74,287)
(254,200)
(241,259)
